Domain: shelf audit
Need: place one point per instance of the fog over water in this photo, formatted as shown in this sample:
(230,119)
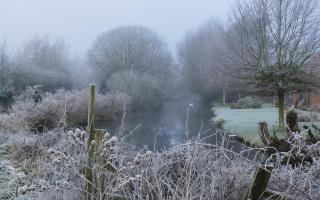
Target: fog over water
(78,22)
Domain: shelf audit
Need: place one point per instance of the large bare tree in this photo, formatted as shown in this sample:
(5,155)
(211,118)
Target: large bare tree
(202,69)
(272,44)
(133,60)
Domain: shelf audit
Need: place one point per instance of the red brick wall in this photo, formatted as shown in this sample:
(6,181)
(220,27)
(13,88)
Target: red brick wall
(311,97)
(315,98)
(295,98)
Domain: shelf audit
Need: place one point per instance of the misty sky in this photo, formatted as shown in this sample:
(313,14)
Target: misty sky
(79,22)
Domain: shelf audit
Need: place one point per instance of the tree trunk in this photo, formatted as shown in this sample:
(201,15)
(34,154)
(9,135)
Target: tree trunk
(223,99)
(281,109)
(239,95)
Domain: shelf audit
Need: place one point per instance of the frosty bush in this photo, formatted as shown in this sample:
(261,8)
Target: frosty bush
(6,98)
(186,171)
(246,102)
(193,170)
(218,122)
(61,108)
(308,117)
(145,89)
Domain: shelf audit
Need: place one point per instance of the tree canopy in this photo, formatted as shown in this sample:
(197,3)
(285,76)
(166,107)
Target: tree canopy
(127,59)
(42,62)
(273,43)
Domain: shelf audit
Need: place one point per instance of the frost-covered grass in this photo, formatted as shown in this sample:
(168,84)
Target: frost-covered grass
(5,177)
(245,121)
(192,170)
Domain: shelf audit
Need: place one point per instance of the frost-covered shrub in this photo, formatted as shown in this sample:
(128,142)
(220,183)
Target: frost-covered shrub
(186,171)
(193,170)
(218,122)
(6,98)
(235,106)
(307,117)
(61,108)
(146,90)
(302,179)
(106,106)
(246,102)
(27,150)
(52,162)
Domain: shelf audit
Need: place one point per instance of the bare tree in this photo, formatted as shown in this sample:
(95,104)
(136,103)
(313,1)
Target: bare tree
(204,69)
(199,69)
(44,62)
(272,44)
(5,65)
(132,53)
(6,95)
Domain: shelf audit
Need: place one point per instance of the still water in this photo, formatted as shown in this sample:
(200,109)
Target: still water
(177,121)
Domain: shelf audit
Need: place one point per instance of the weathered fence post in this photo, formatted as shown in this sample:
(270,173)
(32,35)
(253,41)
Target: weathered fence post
(94,141)
(92,96)
(94,145)
(260,182)
(90,130)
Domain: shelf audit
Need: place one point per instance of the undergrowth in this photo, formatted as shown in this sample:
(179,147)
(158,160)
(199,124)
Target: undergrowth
(193,170)
(60,109)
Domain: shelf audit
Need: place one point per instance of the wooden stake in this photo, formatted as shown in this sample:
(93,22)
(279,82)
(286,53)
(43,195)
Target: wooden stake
(260,182)
(95,135)
(92,96)
(90,130)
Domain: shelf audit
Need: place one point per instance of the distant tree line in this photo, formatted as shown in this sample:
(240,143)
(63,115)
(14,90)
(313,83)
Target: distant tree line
(269,47)
(132,60)
(39,62)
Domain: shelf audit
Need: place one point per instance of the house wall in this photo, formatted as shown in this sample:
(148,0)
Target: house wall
(295,98)
(310,97)
(315,98)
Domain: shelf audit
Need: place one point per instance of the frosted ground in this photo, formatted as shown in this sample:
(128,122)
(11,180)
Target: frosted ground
(244,122)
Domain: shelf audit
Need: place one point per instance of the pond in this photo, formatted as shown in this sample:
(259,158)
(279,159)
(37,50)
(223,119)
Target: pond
(178,120)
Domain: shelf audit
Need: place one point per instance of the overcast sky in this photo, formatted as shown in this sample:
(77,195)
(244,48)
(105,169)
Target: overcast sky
(79,22)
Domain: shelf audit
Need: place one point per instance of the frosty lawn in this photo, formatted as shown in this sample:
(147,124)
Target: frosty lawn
(245,121)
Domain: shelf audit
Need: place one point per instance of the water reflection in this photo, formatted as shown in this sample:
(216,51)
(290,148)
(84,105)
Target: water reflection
(166,127)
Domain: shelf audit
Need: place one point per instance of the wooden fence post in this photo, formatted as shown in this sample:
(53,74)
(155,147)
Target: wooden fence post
(90,130)
(92,96)
(97,136)
(260,182)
